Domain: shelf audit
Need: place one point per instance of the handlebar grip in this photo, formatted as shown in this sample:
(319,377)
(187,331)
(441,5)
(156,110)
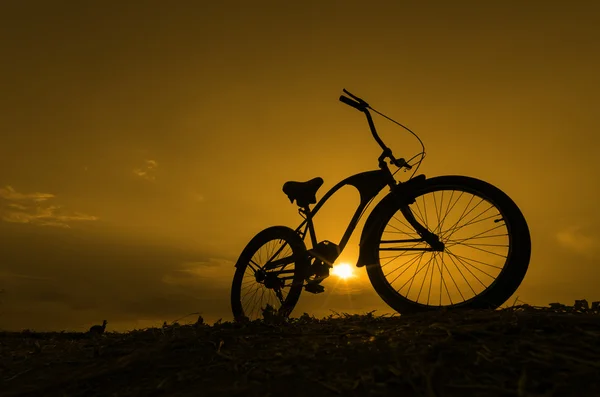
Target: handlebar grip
(352,103)
(351,95)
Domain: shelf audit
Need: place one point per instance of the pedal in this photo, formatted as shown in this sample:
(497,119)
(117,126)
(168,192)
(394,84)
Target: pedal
(314,288)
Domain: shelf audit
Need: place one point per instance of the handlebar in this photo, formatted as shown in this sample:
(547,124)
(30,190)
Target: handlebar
(352,103)
(356,103)
(363,106)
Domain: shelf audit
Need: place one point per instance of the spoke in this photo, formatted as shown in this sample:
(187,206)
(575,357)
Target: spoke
(412,240)
(423,249)
(465,262)
(249,286)
(415,275)
(410,263)
(411,279)
(398,256)
(480,234)
(262,295)
(479,249)
(477,237)
(288,251)
(415,237)
(425,277)
(448,208)
(443,282)
(469,270)
(455,284)
(279,263)
(431,278)
(437,214)
(453,205)
(450,232)
(463,214)
(272,257)
(248,280)
(475,260)
(269,250)
(441,270)
(253,297)
(404,224)
(258,252)
(471,222)
(463,276)
(480,220)
(258,300)
(482,245)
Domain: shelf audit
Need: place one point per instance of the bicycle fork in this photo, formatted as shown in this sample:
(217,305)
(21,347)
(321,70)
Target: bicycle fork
(427,236)
(402,194)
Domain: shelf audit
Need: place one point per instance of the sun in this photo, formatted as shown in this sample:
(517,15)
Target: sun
(343,271)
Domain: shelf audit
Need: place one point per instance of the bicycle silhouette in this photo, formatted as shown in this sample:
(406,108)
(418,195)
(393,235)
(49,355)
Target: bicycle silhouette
(463,237)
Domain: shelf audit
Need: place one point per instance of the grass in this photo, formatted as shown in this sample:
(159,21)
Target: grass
(517,351)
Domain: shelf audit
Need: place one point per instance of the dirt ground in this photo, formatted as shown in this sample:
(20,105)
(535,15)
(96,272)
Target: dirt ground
(518,351)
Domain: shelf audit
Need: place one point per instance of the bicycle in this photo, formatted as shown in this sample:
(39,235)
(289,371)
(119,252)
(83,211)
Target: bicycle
(396,230)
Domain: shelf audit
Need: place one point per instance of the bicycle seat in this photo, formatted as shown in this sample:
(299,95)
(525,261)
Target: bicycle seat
(303,192)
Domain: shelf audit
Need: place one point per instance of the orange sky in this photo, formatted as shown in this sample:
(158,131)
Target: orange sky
(161,135)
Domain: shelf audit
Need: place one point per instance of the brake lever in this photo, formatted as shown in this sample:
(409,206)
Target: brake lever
(401,163)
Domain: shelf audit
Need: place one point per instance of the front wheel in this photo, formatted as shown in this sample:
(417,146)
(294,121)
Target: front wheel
(270,270)
(486,253)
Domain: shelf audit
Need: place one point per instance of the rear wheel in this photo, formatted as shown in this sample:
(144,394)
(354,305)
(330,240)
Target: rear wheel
(486,253)
(270,271)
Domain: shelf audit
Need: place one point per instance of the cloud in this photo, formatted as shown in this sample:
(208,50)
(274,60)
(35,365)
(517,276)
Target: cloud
(217,270)
(17,206)
(147,171)
(33,208)
(577,239)
(9,193)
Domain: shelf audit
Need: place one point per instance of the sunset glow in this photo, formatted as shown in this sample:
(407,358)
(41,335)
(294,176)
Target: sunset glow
(343,271)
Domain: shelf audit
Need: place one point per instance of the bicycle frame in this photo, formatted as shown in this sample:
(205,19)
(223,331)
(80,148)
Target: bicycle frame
(368,184)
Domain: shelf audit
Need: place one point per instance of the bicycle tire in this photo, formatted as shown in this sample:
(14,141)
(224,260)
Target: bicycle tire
(507,281)
(281,233)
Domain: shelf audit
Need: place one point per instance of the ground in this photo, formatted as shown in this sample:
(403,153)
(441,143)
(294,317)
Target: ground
(518,351)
